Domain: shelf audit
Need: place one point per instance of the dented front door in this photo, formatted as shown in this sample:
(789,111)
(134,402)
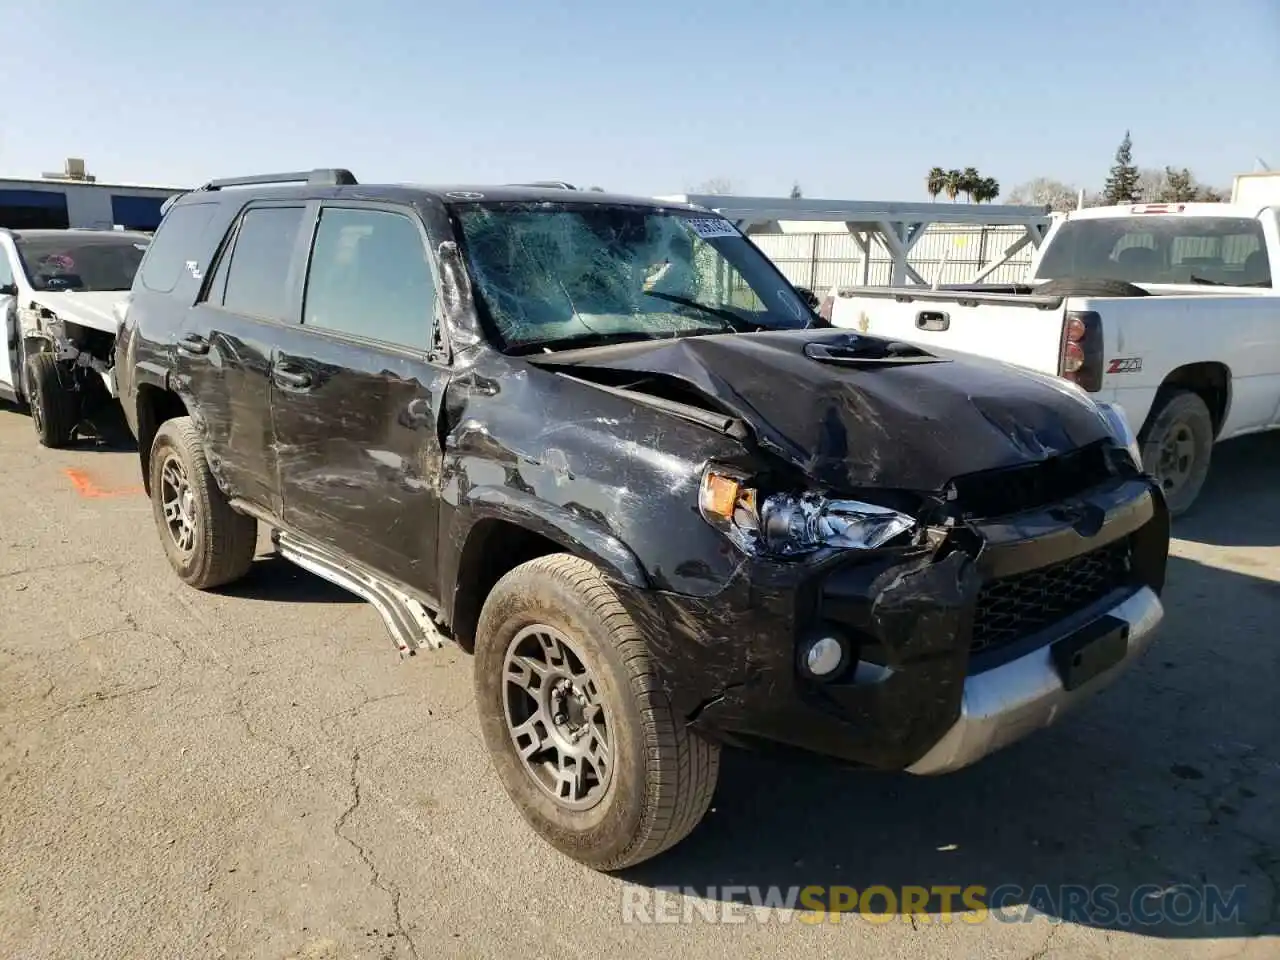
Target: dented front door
(355,399)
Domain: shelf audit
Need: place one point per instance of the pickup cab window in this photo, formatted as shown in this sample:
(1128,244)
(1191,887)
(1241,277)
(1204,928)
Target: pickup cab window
(1217,251)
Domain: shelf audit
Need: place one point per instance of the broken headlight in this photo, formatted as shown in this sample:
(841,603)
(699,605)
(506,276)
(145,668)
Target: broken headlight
(787,525)
(1117,422)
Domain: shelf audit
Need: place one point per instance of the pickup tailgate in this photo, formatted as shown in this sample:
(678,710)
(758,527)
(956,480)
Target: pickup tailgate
(1022,329)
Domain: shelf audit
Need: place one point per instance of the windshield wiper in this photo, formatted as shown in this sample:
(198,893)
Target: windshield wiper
(731,320)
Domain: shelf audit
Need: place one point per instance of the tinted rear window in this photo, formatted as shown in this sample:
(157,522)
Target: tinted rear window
(258,274)
(176,241)
(1159,249)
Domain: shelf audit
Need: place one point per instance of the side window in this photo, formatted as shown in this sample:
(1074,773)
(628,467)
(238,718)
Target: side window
(257,273)
(6,271)
(176,241)
(369,277)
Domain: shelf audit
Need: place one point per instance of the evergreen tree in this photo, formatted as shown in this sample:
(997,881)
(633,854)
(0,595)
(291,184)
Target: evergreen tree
(1122,181)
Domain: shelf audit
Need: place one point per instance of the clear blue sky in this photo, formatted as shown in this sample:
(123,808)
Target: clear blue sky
(853,99)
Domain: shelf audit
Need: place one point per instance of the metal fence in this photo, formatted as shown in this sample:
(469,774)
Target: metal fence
(822,260)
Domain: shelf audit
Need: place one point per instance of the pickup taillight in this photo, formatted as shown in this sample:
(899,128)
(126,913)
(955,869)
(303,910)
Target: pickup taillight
(1080,358)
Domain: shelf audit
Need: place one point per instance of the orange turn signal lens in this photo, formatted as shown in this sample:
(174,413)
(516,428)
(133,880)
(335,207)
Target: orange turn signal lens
(719,495)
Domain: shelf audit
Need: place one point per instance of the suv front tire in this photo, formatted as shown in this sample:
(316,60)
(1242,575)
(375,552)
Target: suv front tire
(208,543)
(564,683)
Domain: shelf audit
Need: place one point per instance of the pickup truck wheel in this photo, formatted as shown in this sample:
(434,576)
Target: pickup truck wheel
(208,543)
(1176,448)
(581,735)
(55,410)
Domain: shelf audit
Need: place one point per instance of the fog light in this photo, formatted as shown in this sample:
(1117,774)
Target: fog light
(824,657)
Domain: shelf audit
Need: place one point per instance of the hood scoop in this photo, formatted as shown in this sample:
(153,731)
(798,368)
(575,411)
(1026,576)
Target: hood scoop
(854,351)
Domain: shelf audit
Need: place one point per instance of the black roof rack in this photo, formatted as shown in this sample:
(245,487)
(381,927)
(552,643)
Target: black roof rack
(325,177)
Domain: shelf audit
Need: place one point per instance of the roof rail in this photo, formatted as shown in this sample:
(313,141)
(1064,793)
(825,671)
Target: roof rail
(324,177)
(557,184)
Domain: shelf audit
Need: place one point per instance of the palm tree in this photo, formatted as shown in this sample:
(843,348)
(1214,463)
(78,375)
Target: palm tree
(936,182)
(990,189)
(953,184)
(969,179)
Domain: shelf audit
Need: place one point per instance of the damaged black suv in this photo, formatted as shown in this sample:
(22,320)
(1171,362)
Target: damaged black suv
(601,443)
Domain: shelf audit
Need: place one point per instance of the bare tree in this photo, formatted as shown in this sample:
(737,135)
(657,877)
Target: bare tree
(1153,184)
(1045,191)
(715,185)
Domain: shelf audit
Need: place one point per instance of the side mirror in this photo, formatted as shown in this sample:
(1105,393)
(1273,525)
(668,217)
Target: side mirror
(455,293)
(8,290)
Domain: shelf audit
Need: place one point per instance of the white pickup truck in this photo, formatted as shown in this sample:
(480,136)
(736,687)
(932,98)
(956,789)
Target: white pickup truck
(1170,311)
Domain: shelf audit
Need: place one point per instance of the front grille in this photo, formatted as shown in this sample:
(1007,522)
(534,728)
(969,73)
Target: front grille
(1013,607)
(999,493)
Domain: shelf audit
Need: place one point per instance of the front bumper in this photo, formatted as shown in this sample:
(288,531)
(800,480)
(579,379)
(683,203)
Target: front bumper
(1004,704)
(926,692)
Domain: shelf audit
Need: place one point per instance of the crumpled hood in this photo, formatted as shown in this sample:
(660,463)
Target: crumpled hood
(911,426)
(89,309)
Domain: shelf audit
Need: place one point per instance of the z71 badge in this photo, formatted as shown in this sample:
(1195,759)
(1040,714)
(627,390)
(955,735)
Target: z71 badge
(1125,365)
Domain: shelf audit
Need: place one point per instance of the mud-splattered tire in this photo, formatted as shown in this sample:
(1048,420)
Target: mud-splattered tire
(1176,447)
(55,410)
(216,544)
(661,777)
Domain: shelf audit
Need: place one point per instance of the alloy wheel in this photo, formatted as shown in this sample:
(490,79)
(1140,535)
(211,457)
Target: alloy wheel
(179,503)
(556,718)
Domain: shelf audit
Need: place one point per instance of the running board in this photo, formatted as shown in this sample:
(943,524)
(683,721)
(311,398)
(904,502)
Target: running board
(410,624)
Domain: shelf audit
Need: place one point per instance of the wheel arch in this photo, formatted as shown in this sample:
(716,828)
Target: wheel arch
(1210,379)
(504,529)
(154,404)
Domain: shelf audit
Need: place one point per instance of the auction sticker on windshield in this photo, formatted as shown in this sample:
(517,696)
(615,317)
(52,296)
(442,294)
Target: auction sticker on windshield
(708,228)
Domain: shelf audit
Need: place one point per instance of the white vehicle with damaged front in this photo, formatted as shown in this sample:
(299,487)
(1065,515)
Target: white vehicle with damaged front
(58,295)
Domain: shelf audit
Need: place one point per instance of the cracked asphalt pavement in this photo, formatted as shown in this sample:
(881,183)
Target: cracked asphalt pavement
(255,773)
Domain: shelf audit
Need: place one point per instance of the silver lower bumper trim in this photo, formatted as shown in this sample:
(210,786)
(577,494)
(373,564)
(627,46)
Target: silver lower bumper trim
(1008,702)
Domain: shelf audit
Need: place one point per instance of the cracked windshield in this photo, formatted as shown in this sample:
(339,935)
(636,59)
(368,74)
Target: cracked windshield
(560,275)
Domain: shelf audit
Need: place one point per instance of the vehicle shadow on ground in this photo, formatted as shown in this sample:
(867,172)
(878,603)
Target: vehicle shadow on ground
(1240,503)
(1167,778)
(106,431)
(277,580)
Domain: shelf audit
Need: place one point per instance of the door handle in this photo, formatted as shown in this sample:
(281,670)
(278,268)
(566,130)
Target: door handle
(932,320)
(193,344)
(293,379)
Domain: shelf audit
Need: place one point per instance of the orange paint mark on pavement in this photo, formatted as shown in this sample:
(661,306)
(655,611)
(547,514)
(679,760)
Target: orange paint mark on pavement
(85,486)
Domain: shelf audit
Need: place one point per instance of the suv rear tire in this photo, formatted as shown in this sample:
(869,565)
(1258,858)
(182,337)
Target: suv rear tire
(207,542)
(556,624)
(1176,447)
(55,410)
